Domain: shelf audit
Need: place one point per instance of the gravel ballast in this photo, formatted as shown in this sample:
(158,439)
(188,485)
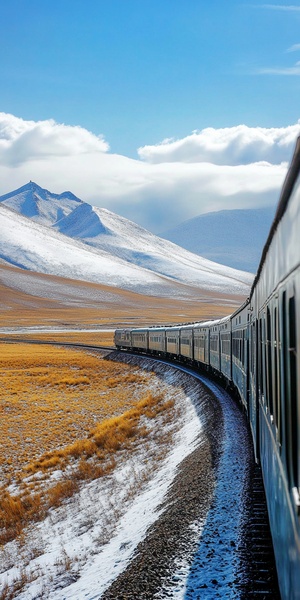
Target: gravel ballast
(195,548)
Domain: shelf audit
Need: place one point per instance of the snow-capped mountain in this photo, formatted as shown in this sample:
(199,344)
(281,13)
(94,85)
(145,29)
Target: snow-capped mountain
(38,204)
(93,244)
(230,237)
(33,246)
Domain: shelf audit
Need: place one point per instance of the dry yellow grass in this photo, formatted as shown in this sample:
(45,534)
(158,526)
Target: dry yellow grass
(97,338)
(51,396)
(89,458)
(68,411)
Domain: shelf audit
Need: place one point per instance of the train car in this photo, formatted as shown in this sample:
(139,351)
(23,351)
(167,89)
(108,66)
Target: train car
(275,306)
(173,341)
(253,412)
(214,347)
(122,338)
(140,339)
(258,350)
(186,335)
(201,343)
(157,340)
(225,347)
(240,352)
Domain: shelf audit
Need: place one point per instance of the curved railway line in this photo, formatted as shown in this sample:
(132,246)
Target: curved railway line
(256,352)
(231,556)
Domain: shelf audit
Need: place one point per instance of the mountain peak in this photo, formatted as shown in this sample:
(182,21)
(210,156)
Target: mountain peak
(37,203)
(82,222)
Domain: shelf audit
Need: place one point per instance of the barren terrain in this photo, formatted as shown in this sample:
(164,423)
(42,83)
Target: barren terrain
(74,424)
(35,300)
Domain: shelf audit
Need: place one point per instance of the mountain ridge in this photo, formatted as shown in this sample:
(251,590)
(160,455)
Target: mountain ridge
(94,244)
(37,203)
(232,237)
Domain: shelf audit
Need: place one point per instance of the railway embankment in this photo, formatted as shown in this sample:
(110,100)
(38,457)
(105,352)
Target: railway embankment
(212,538)
(185,525)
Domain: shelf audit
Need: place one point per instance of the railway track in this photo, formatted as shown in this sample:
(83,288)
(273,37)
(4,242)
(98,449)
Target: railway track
(55,343)
(233,557)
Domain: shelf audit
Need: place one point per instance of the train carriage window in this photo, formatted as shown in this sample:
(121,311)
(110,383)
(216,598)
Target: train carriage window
(293,391)
(262,357)
(269,363)
(253,348)
(226,344)
(283,410)
(243,347)
(280,376)
(214,343)
(275,369)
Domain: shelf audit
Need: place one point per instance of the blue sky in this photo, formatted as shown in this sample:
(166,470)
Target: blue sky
(138,72)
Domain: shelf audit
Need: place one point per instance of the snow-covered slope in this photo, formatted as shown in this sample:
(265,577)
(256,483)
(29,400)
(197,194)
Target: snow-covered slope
(124,239)
(94,244)
(42,206)
(231,237)
(30,245)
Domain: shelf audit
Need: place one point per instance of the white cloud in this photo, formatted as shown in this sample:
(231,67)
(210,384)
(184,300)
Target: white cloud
(22,141)
(214,169)
(295,70)
(228,146)
(294,48)
(285,7)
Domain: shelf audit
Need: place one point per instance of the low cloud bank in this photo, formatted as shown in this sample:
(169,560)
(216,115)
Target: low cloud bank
(213,169)
(229,146)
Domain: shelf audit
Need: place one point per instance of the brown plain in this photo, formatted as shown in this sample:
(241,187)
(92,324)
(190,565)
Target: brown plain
(60,405)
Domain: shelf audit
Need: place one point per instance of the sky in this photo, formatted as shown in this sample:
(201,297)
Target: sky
(157,110)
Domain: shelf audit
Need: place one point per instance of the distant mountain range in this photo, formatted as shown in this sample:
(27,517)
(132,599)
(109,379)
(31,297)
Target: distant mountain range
(230,237)
(62,235)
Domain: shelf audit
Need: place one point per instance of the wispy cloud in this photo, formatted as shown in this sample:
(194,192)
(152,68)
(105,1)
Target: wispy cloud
(286,7)
(294,48)
(295,70)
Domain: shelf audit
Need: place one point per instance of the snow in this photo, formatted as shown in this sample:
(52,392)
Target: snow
(103,229)
(83,530)
(37,203)
(67,237)
(36,247)
(134,524)
(216,561)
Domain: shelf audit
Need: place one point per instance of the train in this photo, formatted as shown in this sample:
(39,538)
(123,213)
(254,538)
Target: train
(256,351)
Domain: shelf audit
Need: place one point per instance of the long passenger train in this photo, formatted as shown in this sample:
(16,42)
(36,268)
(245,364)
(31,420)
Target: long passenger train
(256,350)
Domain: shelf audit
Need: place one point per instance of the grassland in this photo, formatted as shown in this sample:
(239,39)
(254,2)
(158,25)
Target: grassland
(65,415)
(50,396)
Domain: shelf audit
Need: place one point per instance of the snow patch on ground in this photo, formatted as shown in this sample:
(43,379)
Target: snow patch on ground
(85,544)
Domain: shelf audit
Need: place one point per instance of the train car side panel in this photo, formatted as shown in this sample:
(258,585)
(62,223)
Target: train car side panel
(173,341)
(157,340)
(201,344)
(140,339)
(187,342)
